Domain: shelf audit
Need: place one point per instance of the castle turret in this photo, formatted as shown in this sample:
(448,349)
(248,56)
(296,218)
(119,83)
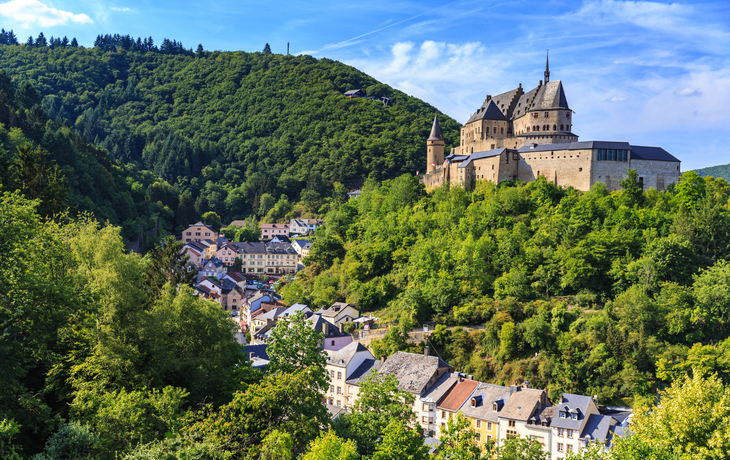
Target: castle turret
(435,147)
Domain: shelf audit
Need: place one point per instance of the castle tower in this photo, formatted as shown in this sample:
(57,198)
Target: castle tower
(547,68)
(435,147)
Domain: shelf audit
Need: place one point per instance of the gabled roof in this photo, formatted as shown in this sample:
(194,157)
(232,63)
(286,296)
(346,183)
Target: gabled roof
(202,224)
(572,404)
(484,397)
(457,395)
(217,263)
(524,103)
(480,155)
(335,309)
(413,371)
(488,111)
(363,371)
(343,356)
(280,226)
(551,96)
(295,308)
(522,404)
(258,350)
(280,248)
(435,130)
(271,314)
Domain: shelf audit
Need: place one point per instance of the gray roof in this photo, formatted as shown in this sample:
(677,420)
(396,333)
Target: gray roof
(335,309)
(271,314)
(335,411)
(363,371)
(250,248)
(522,404)
(572,402)
(488,111)
(551,96)
(453,157)
(524,103)
(413,371)
(597,427)
(439,389)
(484,396)
(280,248)
(258,350)
(651,153)
(343,356)
(480,155)
(295,308)
(435,130)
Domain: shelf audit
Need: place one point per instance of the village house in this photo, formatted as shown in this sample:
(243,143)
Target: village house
(231,295)
(300,246)
(304,226)
(415,373)
(430,399)
(482,409)
(198,232)
(341,365)
(340,312)
(358,376)
(196,255)
(227,253)
(268,231)
(214,268)
(452,402)
(518,410)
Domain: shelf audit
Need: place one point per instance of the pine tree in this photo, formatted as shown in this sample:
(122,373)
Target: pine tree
(200,51)
(30,42)
(64,42)
(12,39)
(41,40)
(267,49)
(74,43)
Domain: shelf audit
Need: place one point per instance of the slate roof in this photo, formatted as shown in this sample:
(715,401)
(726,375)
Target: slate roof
(484,396)
(551,96)
(334,309)
(651,153)
(443,384)
(250,248)
(335,411)
(435,130)
(271,314)
(280,248)
(522,404)
(413,371)
(598,427)
(295,308)
(202,224)
(363,371)
(571,404)
(258,350)
(343,356)
(480,155)
(458,394)
(488,111)
(524,103)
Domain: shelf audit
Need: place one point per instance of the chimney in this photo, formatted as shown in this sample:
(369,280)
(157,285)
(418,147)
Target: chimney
(342,328)
(426,350)
(324,327)
(382,359)
(470,377)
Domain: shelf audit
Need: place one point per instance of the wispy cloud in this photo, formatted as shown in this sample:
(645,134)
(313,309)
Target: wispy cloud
(617,99)
(29,12)
(688,92)
(122,10)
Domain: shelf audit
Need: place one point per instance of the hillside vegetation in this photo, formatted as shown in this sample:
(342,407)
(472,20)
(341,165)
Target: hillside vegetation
(600,293)
(229,132)
(721,171)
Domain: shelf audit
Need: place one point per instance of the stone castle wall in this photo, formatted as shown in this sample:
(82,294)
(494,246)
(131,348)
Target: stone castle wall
(562,167)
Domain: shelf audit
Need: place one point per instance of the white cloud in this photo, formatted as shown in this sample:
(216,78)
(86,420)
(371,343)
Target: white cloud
(122,10)
(33,11)
(617,99)
(688,92)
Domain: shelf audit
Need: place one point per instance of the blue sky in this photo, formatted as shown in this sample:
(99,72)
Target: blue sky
(646,72)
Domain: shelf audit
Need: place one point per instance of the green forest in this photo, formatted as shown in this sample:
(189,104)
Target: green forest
(601,293)
(721,171)
(229,132)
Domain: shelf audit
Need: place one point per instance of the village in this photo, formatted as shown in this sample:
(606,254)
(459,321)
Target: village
(238,276)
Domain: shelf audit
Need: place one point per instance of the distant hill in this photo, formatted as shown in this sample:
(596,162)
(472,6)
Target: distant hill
(722,171)
(224,129)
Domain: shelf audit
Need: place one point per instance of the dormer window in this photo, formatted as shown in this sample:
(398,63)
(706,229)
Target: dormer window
(495,407)
(562,415)
(575,417)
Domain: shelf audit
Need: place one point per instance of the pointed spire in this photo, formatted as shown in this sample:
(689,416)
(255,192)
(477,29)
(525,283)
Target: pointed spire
(547,67)
(435,130)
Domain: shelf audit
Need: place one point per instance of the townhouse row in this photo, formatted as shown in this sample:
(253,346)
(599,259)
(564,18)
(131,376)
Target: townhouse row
(495,412)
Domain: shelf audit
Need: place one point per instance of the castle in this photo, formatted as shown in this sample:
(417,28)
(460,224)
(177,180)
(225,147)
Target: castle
(523,135)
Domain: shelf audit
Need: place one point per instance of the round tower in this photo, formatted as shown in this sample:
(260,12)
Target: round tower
(434,147)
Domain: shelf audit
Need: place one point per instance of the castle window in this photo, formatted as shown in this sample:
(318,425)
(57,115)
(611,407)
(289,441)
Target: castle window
(502,131)
(555,127)
(580,169)
(561,128)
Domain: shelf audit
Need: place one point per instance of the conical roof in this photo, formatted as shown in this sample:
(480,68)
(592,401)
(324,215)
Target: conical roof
(435,130)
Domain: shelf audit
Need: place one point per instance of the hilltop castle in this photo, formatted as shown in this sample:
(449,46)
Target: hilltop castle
(523,135)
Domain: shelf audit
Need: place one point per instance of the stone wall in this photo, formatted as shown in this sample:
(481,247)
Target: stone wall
(562,167)
(656,174)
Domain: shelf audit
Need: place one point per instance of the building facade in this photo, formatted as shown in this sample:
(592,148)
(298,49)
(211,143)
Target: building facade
(524,135)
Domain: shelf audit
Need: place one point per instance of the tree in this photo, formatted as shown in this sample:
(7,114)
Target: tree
(200,52)
(294,346)
(72,440)
(379,402)
(459,440)
(267,50)
(40,179)
(167,263)
(632,189)
(329,446)
(74,43)
(325,250)
(400,442)
(517,448)
(276,446)
(213,219)
(8,430)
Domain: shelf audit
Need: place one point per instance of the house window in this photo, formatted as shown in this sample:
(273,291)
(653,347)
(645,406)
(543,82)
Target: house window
(511,423)
(575,417)
(339,390)
(332,375)
(339,403)
(479,437)
(339,376)
(333,343)
(570,447)
(570,433)
(560,447)
(561,431)
(489,426)
(332,388)
(443,414)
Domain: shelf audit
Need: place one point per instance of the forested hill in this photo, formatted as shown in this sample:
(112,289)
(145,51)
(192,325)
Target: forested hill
(722,171)
(224,129)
